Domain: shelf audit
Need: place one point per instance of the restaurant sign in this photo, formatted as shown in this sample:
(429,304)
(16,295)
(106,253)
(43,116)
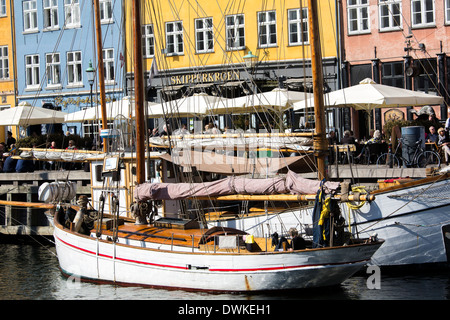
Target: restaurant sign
(205,77)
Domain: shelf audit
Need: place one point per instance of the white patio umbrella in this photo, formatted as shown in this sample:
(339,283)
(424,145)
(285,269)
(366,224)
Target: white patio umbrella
(26,115)
(199,104)
(278,100)
(119,108)
(368,95)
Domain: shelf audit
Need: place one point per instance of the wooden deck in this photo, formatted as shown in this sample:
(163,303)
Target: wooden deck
(190,238)
(177,237)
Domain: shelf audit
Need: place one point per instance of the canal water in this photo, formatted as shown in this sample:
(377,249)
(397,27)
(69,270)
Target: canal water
(30,272)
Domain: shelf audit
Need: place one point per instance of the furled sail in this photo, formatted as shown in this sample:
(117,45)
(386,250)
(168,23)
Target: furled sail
(290,184)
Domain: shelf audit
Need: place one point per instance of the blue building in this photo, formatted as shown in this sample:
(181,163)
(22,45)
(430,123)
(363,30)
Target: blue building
(55,43)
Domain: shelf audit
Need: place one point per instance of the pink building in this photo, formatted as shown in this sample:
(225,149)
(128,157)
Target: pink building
(403,43)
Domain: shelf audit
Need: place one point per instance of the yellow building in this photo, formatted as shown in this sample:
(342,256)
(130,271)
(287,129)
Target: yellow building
(206,46)
(7,78)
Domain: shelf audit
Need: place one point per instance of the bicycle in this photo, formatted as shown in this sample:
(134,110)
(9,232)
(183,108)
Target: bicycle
(420,158)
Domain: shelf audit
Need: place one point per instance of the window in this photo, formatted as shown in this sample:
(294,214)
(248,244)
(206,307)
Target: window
(50,14)
(72,13)
(298,26)
(2,8)
(32,71)
(358,16)
(108,64)
(204,38)
(53,68)
(235,32)
(390,14)
(30,16)
(106,15)
(447,11)
(428,76)
(74,69)
(422,13)
(4,63)
(174,38)
(148,41)
(392,74)
(267,29)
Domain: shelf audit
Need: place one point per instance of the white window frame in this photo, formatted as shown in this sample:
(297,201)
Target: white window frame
(30,17)
(390,5)
(360,8)
(265,24)
(422,13)
(204,35)
(447,11)
(174,38)
(4,63)
(106,11)
(72,13)
(50,8)
(148,41)
(53,69)
(74,69)
(108,66)
(301,19)
(235,31)
(32,72)
(2,8)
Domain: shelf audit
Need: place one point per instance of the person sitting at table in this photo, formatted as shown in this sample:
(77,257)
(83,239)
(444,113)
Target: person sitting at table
(71,165)
(10,141)
(23,165)
(432,136)
(348,138)
(375,139)
(444,142)
(332,139)
(10,164)
(2,158)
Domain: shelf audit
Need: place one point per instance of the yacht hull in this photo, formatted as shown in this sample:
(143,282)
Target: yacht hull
(94,259)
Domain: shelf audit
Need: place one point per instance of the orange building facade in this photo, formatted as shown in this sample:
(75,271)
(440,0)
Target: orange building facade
(403,43)
(7,78)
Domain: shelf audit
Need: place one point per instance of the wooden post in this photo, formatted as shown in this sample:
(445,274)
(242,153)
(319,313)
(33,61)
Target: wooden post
(29,213)
(320,141)
(139,93)
(101,75)
(8,210)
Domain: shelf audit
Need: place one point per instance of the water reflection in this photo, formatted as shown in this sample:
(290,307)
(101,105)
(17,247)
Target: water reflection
(31,272)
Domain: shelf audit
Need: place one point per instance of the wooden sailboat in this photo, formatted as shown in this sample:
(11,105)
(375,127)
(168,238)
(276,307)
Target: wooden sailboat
(181,253)
(412,217)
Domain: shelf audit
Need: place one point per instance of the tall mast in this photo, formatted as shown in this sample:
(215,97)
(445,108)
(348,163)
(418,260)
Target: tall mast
(139,93)
(101,75)
(320,141)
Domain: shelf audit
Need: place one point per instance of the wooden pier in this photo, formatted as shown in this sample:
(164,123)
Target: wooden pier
(31,221)
(24,187)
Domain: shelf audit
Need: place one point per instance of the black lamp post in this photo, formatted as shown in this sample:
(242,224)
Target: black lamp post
(90,71)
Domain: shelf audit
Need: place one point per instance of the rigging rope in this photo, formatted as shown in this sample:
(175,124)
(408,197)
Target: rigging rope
(407,203)
(357,205)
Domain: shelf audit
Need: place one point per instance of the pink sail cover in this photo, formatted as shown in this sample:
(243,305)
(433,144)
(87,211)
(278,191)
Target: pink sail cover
(291,184)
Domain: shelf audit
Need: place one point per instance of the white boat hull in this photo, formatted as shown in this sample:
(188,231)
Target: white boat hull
(99,260)
(412,221)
